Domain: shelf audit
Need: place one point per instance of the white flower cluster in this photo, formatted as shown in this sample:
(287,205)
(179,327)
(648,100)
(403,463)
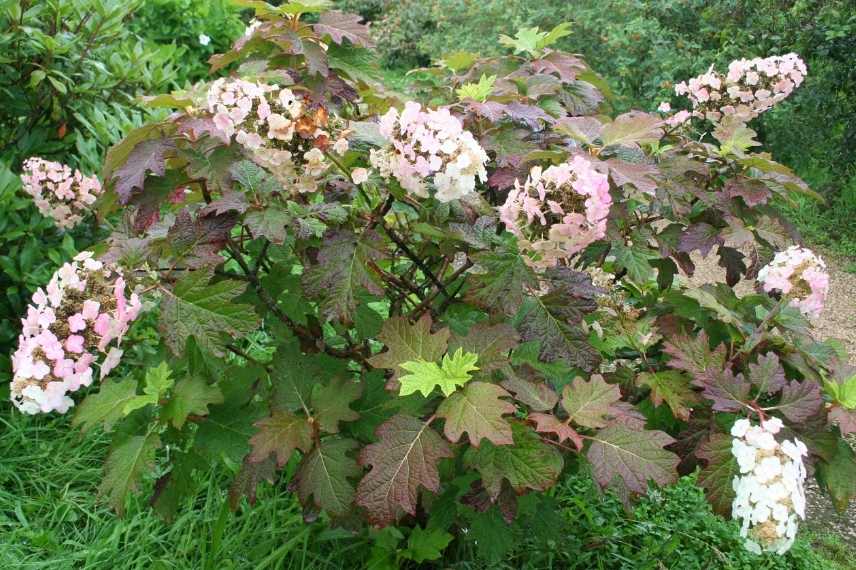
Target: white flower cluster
(278,128)
(79,317)
(800,275)
(430,144)
(770,494)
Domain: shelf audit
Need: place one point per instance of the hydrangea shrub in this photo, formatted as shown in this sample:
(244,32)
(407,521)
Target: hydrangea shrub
(419,314)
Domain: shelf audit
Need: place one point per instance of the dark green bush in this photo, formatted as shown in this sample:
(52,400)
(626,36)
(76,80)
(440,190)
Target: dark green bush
(185,24)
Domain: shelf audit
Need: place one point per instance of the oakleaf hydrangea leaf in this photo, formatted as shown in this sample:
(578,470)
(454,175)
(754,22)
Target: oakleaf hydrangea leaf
(407,342)
(324,476)
(717,476)
(588,403)
(280,434)
(633,458)
(129,457)
(330,403)
(205,311)
(671,387)
(424,376)
(106,406)
(404,459)
(192,395)
(528,464)
(477,410)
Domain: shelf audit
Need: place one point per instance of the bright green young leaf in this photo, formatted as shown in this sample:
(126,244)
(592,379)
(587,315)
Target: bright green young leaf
(477,91)
(426,544)
(424,376)
(158,381)
(843,393)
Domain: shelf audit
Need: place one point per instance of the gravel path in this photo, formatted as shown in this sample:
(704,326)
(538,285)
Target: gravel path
(838,320)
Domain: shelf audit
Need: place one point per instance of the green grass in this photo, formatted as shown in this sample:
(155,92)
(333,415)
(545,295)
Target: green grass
(50,518)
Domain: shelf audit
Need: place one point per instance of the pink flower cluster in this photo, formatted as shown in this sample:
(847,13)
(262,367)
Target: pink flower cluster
(430,144)
(79,317)
(558,211)
(278,128)
(750,87)
(58,192)
(799,275)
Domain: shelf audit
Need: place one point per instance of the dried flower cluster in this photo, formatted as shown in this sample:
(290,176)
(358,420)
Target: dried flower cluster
(770,495)
(750,87)
(58,192)
(430,144)
(279,129)
(558,211)
(800,275)
(79,317)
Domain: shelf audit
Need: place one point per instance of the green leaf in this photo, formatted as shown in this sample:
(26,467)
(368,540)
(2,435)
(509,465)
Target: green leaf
(838,475)
(503,284)
(844,392)
(342,271)
(280,434)
(331,403)
(107,406)
(226,431)
(129,458)
(426,544)
(477,91)
(672,387)
(635,259)
(407,342)
(404,459)
(527,464)
(205,311)
(294,375)
(425,376)
(628,458)
(477,410)
(587,403)
(270,222)
(324,475)
(192,395)
(459,60)
(158,381)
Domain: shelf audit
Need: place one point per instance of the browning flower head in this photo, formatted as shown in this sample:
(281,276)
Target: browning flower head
(279,129)
(800,275)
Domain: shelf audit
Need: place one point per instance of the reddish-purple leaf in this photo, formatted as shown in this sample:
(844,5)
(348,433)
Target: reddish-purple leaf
(631,129)
(491,110)
(642,176)
(548,423)
(800,401)
(534,393)
(404,459)
(767,374)
(718,473)
(732,261)
(341,26)
(693,354)
(624,413)
(754,192)
(632,458)
(407,342)
(729,393)
(249,476)
(230,201)
(701,237)
(529,114)
(280,434)
(491,342)
(564,65)
(582,129)
(147,157)
(845,419)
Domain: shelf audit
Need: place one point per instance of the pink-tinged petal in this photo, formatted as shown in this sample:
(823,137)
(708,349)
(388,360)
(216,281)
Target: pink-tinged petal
(102,324)
(76,322)
(83,363)
(74,344)
(112,360)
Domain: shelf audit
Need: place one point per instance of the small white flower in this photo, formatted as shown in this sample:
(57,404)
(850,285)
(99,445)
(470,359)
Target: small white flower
(204,40)
(359,175)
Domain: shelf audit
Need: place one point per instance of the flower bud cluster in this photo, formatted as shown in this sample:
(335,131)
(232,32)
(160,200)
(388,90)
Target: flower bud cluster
(770,493)
(559,211)
(750,87)
(80,317)
(430,144)
(800,275)
(58,192)
(279,129)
